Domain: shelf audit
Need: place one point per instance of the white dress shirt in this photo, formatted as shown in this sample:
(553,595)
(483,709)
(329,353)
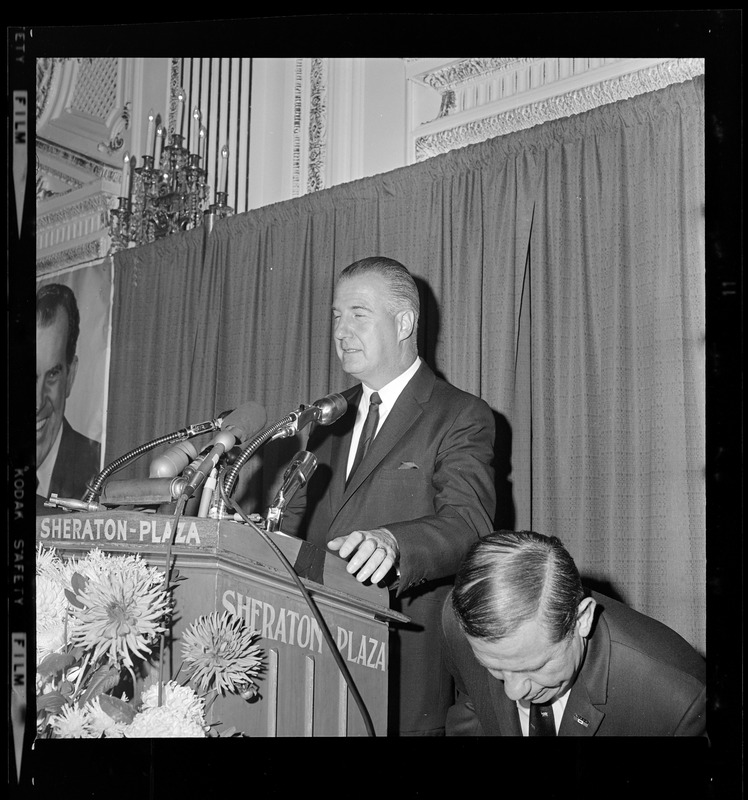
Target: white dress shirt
(388,395)
(558,707)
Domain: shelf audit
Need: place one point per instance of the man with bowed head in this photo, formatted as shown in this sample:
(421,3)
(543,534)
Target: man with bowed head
(407,510)
(534,654)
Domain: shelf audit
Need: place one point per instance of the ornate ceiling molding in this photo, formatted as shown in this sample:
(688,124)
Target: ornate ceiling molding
(309,135)
(73,229)
(73,256)
(469,69)
(95,205)
(560,105)
(57,164)
(317,125)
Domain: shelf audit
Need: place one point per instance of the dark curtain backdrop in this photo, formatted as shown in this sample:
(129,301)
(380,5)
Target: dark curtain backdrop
(562,278)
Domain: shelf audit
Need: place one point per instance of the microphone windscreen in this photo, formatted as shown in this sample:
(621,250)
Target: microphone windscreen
(332,407)
(245,421)
(171,462)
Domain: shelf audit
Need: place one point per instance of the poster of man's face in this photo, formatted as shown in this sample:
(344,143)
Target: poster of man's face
(55,370)
(72,340)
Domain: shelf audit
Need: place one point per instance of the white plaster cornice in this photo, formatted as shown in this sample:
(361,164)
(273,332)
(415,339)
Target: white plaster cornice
(73,228)
(90,166)
(85,253)
(469,69)
(559,94)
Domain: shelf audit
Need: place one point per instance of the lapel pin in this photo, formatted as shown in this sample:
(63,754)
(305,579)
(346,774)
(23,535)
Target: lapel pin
(582,721)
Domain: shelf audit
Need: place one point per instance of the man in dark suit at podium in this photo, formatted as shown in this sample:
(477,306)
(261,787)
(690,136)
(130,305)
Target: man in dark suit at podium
(420,494)
(65,459)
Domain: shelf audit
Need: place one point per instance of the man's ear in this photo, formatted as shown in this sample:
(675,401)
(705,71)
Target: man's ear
(585,616)
(405,324)
(72,369)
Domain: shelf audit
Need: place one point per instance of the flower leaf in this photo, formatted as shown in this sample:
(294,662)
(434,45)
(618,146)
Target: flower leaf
(105,678)
(67,688)
(54,663)
(52,702)
(79,583)
(118,710)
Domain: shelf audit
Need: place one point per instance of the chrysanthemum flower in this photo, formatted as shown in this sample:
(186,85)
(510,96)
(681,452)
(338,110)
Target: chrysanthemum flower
(48,563)
(51,611)
(121,612)
(219,653)
(100,723)
(51,603)
(71,723)
(180,699)
(98,564)
(162,722)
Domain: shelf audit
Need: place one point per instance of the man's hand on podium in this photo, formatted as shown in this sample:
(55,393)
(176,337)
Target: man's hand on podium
(375,553)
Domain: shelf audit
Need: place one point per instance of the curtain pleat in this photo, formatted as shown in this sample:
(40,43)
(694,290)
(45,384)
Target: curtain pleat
(618,448)
(561,272)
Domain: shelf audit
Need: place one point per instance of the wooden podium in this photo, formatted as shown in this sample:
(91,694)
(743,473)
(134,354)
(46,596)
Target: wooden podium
(229,566)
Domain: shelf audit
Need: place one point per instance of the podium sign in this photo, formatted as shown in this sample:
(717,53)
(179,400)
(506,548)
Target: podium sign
(228,566)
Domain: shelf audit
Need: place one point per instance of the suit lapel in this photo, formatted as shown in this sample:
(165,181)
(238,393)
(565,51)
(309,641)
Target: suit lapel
(508,715)
(340,448)
(585,709)
(404,413)
(407,409)
(61,479)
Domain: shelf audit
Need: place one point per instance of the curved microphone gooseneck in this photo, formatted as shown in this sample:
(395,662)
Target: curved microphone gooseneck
(323,411)
(94,489)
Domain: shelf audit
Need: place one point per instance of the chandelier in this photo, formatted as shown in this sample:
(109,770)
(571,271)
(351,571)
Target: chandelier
(169,191)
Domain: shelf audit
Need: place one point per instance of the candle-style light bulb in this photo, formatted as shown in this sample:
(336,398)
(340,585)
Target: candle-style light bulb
(223,179)
(195,129)
(180,110)
(149,135)
(158,146)
(203,137)
(124,189)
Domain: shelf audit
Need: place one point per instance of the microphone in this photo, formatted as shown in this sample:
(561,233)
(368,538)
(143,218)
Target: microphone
(237,427)
(141,491)
(93,489)
(173,461)
(324,411)
(298,473)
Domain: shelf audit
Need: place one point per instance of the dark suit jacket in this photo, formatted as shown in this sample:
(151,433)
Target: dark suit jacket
(428,478)
(639,678)
(78,461)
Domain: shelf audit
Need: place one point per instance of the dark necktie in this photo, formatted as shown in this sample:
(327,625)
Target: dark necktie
(541,720)
(367,433)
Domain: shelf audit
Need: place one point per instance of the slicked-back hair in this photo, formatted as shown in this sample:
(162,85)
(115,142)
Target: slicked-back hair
(52,297)
(511,577)
(403,292)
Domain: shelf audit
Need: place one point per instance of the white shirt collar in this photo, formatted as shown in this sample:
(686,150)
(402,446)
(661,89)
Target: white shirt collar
(388,394)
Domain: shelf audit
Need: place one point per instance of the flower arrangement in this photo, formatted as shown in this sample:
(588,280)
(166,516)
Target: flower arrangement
(98,621)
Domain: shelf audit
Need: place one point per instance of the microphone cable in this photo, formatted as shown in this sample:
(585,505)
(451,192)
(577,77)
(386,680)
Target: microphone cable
(315,611)
(178,512)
